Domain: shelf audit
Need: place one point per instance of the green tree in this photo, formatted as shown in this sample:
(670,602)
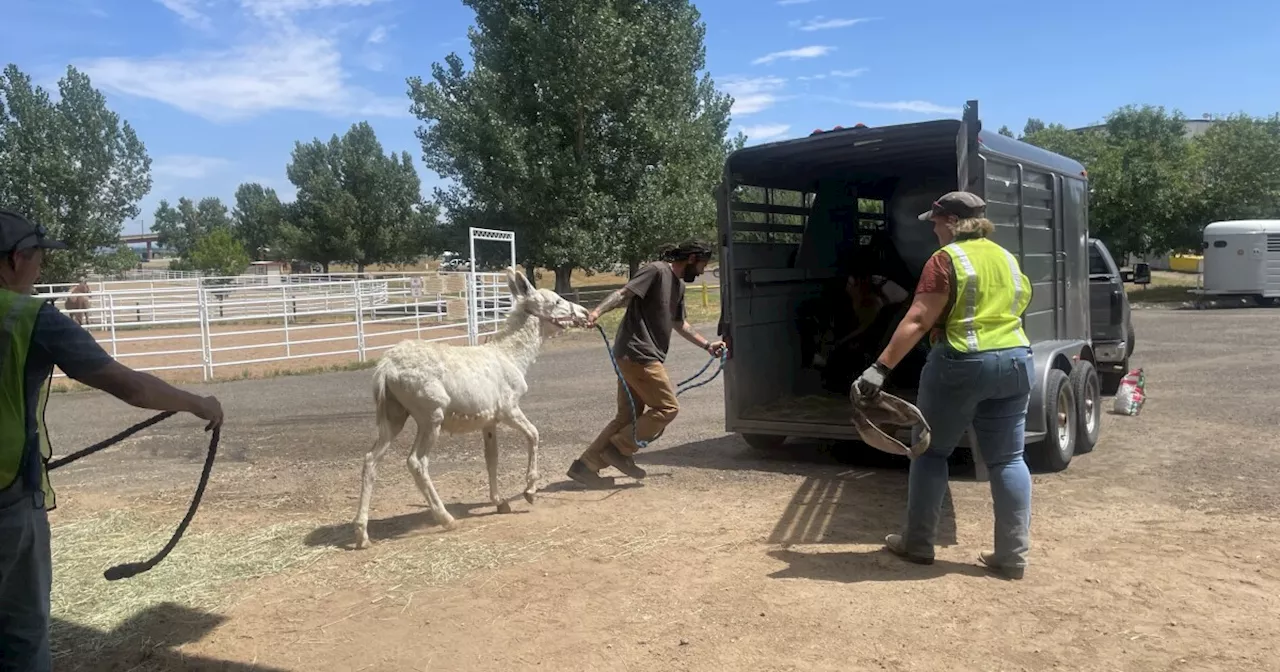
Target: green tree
(219,253)
(258,221)
(576,118)
(1237,171)
(1004,130)
(72,166)
(182,228)
(119,260)
(355,203)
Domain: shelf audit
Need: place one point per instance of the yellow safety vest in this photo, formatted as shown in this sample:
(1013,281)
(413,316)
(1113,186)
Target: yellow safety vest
(17,324)
(992,292)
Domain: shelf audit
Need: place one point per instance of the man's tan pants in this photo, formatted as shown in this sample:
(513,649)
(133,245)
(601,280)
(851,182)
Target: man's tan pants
(656,407)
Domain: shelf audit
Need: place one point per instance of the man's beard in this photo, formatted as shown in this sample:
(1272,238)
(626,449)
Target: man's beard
(690,273)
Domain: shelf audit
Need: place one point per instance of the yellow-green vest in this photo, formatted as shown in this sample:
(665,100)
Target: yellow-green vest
(17,324)
(991,294)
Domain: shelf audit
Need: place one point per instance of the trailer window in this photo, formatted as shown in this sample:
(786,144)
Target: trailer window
(1219,243)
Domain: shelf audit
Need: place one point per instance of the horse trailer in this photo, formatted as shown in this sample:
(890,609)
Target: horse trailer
(1242,259)
(788,210)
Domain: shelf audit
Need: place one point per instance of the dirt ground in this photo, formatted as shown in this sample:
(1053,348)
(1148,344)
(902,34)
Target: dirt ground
(1155,552)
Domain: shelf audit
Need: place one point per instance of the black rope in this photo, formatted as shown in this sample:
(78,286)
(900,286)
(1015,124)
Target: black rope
(130,569)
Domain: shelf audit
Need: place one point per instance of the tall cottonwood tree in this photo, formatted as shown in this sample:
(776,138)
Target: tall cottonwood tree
(73,166)
(583,126)
(356,204)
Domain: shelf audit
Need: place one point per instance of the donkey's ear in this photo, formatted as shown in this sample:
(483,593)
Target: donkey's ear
(511,283)
(522,284)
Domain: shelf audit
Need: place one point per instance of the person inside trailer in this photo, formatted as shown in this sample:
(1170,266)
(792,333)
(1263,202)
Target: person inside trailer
(840,329)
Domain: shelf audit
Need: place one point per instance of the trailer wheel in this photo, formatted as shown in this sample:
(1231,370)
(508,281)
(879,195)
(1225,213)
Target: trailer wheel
(764,442)
(1266,301)
(1055,452)
(1085,387)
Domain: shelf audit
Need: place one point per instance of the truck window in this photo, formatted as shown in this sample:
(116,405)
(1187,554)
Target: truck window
(1097,265)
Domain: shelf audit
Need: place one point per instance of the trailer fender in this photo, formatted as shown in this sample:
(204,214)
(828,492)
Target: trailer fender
(1049,355)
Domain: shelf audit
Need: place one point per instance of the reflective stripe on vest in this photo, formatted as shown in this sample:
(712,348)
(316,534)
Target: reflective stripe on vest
(18,313)
(992,293)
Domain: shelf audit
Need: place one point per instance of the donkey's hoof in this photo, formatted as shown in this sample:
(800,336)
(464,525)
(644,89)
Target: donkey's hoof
(449,524)
(504,507)
(362,543)
(528,497)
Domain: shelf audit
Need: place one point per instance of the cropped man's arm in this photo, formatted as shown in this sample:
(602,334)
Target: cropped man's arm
(144,390)
(690,334)
(615,300)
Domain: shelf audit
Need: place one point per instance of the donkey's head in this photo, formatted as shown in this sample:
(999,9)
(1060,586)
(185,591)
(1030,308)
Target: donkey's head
(552,309)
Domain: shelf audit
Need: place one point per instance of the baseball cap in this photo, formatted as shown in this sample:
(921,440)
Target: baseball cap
(18,233)
(962,204)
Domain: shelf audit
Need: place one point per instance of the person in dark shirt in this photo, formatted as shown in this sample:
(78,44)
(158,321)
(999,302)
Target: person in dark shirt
(655,307)
(34,338)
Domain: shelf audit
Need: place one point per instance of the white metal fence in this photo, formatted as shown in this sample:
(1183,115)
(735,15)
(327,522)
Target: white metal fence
(208,324)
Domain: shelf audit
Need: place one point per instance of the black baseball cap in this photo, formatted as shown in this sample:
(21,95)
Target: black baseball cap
(962,204)
(18,233)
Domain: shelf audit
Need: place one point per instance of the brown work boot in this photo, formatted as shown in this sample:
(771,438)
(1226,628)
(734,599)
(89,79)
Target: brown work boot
(1008,571)
(622,463)
(583,475)
(896,545)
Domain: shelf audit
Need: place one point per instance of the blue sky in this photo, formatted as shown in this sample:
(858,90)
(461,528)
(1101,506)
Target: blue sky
(219,90)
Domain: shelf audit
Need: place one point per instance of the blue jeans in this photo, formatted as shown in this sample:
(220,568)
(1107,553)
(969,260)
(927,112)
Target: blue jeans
(989,390)
(26,574)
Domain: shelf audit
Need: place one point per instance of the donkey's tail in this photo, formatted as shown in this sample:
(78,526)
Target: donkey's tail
(390,413)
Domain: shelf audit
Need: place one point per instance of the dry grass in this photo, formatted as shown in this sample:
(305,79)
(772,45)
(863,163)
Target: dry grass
(1165,287)
(197,574)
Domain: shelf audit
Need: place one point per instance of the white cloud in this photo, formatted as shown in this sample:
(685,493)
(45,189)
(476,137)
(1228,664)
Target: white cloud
(280,8)
(284,66)
(295,71)
(819,23)
(917,106)
(764,132)
(856,72)
(754,94)
(186,166)
(188,12)
(794,54)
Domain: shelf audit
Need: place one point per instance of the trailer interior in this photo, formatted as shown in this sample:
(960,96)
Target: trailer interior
(799,217)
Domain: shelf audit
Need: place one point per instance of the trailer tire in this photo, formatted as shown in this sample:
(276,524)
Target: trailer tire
(1087,390)
(764,442)
(1061,425)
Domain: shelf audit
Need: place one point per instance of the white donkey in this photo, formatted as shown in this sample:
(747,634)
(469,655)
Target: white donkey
(461,390)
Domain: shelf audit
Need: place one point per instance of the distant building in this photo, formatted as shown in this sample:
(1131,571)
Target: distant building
(1194,127)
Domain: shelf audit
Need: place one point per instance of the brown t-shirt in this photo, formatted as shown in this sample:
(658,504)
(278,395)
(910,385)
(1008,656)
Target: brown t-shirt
(655,309)
(937,277)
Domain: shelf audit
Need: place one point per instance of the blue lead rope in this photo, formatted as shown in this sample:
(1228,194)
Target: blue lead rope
(681,387)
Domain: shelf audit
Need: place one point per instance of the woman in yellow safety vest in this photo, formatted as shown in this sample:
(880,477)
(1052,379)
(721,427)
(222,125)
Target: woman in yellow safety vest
(970,298)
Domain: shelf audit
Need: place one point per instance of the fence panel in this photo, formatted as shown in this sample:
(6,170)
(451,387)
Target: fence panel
(222,326)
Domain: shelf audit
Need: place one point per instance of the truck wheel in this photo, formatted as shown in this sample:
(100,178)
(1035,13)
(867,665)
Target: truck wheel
(1085,387)
(1055,452)
(764,442)
(1131,339)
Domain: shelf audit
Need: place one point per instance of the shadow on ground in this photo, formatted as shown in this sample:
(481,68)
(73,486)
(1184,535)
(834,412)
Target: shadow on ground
(342,535)
(850,494)
(849,567)
(148,641)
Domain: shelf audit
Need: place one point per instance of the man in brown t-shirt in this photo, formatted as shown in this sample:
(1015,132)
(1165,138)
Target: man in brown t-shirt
(655,307)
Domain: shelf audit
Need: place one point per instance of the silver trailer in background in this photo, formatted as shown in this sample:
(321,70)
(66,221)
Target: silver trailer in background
(788,209)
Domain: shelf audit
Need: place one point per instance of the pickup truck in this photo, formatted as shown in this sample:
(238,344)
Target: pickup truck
(1110,317)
